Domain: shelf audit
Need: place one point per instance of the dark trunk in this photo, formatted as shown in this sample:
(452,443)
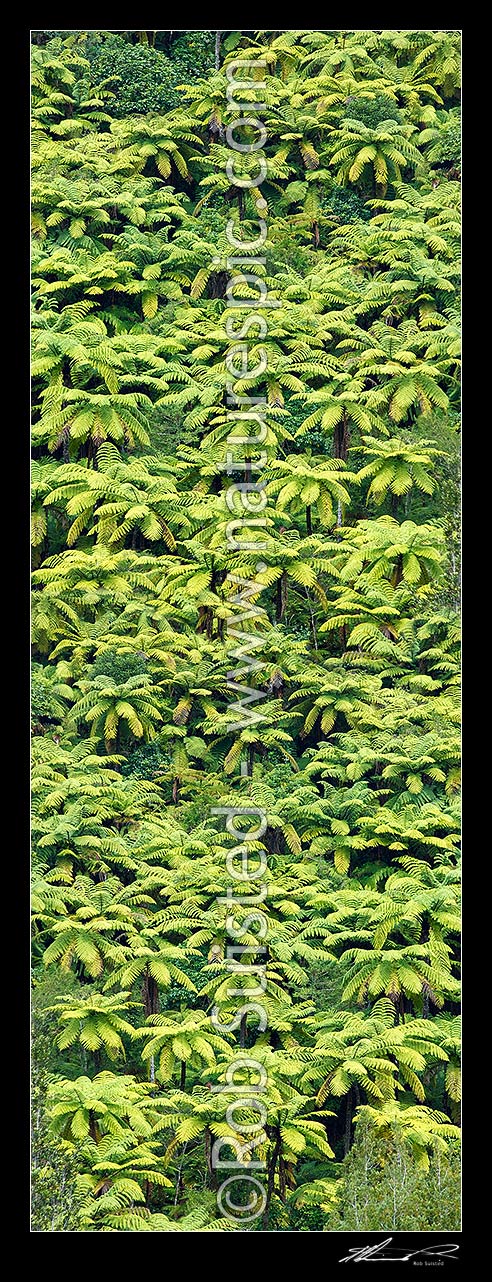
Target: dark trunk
(281,1173)
(182,1075)
(397,575)
(217,285)
(276,685)
(341,439)
(271,1174)
(90,453)
(212,1177)
(217,49)
(281,596)
(242,1031)
(309,524)
(273,842)
(137,540)
(150,994)
(348,1123)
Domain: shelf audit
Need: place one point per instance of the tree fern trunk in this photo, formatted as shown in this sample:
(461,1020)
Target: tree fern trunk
(271,1174)
(150,994)
(281,596)
(93,1129)
(212,1176)
(341,439)
(348,1123)
(397,575)
(281,1174)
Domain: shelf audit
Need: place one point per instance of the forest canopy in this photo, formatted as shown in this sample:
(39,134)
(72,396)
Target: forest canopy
(350,591)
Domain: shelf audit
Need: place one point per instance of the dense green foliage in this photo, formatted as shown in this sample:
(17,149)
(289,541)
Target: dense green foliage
(356,759)
(147,78)
(383,1185)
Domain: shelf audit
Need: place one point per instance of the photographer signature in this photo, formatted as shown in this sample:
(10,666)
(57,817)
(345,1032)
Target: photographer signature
(444,1250)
